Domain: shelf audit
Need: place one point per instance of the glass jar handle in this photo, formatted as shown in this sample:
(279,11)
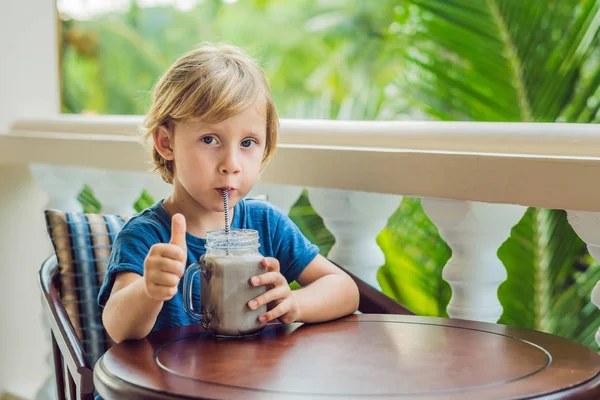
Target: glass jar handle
(188,282)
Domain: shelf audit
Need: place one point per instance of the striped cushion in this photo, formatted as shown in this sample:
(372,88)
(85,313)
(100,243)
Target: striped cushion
(82,243)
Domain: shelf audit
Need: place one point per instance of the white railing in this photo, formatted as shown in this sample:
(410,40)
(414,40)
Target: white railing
(480,169)
(475,180)
(542,165)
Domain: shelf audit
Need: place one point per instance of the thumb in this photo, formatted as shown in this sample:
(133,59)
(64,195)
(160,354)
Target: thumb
(178,231)
(271,264)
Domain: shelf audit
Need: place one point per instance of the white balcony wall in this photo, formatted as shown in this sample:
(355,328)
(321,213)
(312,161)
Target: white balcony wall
(28,87)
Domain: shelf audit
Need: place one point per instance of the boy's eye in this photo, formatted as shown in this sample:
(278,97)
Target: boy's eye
(248,143)
(208,139)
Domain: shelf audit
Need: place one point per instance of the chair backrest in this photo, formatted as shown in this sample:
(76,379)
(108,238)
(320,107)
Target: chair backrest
(82,244)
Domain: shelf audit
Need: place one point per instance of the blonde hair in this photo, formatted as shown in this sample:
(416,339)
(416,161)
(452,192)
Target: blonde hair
(210,83)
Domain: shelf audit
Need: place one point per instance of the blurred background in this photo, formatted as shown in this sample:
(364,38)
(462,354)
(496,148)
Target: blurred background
(452,60)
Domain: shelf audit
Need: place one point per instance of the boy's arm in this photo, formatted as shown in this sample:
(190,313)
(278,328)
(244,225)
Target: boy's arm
(129,312)
(135,301)
(327,293)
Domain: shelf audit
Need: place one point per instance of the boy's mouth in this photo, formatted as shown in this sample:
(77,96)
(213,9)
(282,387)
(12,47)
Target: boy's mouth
(229,189)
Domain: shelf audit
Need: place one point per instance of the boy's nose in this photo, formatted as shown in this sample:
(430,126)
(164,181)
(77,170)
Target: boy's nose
(230,163)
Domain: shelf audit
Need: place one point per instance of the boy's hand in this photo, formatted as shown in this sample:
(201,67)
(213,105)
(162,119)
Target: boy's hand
(165,263)
(280,299)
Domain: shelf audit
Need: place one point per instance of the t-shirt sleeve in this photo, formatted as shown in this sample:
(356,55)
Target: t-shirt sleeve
(128,253)
(293,250)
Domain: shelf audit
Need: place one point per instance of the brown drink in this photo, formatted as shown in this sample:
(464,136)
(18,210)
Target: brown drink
(225,290)
(225,293)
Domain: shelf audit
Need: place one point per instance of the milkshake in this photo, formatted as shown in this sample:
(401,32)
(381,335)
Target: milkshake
(225,291)
(231,260)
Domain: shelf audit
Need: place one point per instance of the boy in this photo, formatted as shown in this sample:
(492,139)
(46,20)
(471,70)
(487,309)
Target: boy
(213,125)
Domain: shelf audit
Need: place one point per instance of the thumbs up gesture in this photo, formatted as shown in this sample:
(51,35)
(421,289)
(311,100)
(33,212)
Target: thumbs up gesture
(165,263)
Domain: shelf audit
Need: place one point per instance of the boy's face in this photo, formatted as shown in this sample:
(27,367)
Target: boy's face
(228,154)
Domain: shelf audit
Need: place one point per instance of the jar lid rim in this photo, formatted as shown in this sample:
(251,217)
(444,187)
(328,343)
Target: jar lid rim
(235,239)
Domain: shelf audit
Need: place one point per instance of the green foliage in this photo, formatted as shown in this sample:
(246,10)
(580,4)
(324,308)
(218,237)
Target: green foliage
(479,60)
(144,201)
(500,60)
(89,202)
(415,255)
(493,60)
(311,224)
(118,57)
(545,240)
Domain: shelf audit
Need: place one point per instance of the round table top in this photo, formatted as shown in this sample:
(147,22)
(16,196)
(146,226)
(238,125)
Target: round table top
(360,356)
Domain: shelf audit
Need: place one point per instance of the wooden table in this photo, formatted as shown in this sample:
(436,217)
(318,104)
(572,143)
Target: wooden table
(361,356)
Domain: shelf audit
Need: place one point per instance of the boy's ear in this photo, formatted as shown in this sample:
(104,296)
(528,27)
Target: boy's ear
(162,143)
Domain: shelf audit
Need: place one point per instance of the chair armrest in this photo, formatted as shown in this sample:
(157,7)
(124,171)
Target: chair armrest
(372,301)
(69,344)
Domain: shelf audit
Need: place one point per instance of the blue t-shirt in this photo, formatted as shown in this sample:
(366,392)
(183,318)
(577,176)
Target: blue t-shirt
(278,235)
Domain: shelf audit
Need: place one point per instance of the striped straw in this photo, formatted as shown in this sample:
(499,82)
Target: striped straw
(226,209)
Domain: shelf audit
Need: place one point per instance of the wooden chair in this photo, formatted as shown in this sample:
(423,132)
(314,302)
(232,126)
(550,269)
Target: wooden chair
(72,364)
(67,350)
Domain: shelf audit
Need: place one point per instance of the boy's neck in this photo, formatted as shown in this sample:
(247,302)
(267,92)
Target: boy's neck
(199,220)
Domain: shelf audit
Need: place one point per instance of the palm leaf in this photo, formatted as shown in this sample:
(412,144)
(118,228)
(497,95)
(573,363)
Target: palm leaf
(585,328)
(499,60)
(539,257)
(88,200)
(144,201)
(415,255)
(311,224)
(495,60)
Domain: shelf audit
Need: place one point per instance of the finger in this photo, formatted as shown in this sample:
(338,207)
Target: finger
(178,231)
(276,312)
(159,264)
(271,264)
(168,250)
(175,267)
(277,293)
(160,292)
(163,278)
(269,278)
